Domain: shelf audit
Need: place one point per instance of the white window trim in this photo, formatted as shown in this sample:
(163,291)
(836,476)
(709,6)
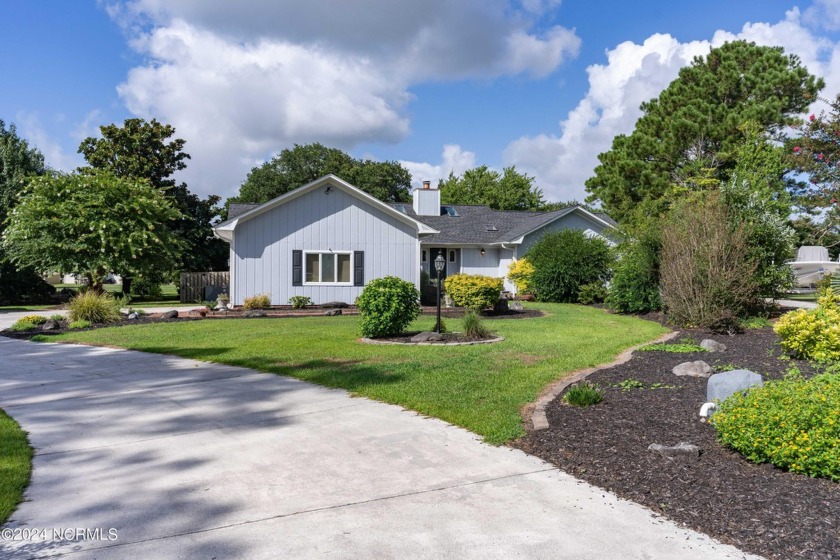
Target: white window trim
(321,267)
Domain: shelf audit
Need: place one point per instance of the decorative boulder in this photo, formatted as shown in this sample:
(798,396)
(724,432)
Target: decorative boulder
(171,314)
(50,325)
(693,369)
(682,450)
(251,313)
(335,304)
(515,306)
(427,337)
(332,312)
(710,345)
(722,385)
(132,316)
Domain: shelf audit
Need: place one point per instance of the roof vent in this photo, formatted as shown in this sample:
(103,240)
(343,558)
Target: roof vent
(401,208)
(491,227)
(449,210)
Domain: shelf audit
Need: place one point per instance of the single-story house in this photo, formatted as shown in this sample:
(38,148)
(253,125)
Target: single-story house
(327,239)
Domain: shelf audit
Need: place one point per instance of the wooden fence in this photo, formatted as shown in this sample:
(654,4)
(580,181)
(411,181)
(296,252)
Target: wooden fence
(203,286)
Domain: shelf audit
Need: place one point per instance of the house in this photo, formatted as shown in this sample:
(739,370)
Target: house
(327,239)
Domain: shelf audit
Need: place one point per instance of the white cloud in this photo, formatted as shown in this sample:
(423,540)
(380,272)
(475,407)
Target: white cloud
(635,73)
(823,13)
(242,80)
(453,160)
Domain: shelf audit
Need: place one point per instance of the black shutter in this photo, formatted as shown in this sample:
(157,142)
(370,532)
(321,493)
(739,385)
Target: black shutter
(297,268)
(358,268)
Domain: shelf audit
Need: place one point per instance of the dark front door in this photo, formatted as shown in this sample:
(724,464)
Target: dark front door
(433,253)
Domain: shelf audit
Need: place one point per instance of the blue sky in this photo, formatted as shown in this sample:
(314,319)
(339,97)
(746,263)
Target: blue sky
(439,85)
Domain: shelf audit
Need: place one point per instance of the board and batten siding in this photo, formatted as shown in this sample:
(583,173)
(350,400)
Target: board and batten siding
(569,221)
(261,250)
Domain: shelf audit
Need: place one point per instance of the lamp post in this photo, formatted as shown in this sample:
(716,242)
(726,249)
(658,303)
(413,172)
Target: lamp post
(440,262)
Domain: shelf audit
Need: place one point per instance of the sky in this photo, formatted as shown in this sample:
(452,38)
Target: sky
(439,85)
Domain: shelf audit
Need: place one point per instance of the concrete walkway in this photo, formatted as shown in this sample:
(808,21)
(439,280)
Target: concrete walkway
(173,458)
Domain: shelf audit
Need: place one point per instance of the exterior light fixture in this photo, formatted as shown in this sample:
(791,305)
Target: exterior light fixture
(482,251)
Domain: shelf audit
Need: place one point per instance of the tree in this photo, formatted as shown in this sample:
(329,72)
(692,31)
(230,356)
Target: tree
(18,161)
(388,181)
(509,190)
(147,150)
(93,223)
(694,124)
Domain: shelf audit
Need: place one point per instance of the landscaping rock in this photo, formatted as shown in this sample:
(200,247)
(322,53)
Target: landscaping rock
(710,345)
(427,337)
(332,312)
(335,304)
(515,306)
(132,316)
(251,313)
(682,450)
(693,369)
(722,385)
(50,325)
(171,314)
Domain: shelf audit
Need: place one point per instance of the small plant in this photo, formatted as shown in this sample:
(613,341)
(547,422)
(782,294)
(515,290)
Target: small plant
(593,292)
(813,334)
(36,319)
(94,307)
(474,291)
(631,383)
(57,317)
(755,323)
(80,324)
(387,306)
(679,348)
(583,394)
(474,328)
(300,302)
(260,301)
(21,325)
(724,367)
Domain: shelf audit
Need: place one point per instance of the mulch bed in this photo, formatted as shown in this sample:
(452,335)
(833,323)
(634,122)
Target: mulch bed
(757,508)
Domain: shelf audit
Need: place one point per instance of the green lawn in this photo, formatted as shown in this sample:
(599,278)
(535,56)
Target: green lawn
(15,465)
(481,388)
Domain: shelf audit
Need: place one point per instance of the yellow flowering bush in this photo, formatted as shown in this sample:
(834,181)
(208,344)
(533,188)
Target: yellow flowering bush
(474,291)
(792,423)
(520,272)
(812,334)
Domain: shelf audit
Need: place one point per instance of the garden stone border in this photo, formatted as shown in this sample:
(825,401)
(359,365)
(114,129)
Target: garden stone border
(534,413)
(470,343)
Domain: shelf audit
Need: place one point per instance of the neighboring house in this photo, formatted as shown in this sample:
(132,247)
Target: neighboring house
(327,239)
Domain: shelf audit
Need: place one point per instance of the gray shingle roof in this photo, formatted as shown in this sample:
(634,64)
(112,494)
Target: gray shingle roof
(482,225)
(239,209)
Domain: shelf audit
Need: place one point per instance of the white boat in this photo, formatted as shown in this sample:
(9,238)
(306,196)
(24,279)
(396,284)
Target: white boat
(811,265)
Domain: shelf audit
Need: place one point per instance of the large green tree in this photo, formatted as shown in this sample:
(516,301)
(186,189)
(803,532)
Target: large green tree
(147,150)
(93,223)
(388,181)
(18,162)
(508,190)
(695,124)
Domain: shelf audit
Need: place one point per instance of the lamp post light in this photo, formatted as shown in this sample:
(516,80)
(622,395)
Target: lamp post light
(440,262)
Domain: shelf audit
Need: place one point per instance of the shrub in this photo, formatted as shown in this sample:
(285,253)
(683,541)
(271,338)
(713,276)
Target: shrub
(387,306)
(791,423)
(57,317)
(37,319)
(583,394)
(94,307)
(147,287)
(707,278)
(300,302)
(260,301)
(81,324)
(564,261)
(21,325)
(520,272)
(812,334)
(594,292)
(474,327)
(634,287)
(474,291)
(755,322)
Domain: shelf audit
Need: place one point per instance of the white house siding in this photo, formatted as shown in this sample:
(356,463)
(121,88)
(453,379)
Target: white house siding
(473,262)
(505,258)
(261,250)
(569,221)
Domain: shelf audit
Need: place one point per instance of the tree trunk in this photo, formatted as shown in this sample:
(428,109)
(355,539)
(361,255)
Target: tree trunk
(126,286)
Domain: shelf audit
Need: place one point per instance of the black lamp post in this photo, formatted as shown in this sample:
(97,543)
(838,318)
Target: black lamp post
(440,262)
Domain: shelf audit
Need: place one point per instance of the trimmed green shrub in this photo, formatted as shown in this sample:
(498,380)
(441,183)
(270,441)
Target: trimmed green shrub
(583,394)
(78,324)
(566,260)
(387,306)
(520,272)
(474,291)
(21,325)
(300,302)
(813,334)
(94,307)
(474,327)
(147,287)
(37,319)
(260,301)
(594,292)
(791,423)
(634,287)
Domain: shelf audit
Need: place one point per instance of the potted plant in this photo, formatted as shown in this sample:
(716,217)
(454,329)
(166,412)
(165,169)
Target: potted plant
(222,300)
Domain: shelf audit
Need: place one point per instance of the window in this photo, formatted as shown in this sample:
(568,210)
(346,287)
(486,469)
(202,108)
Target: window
(451,255)
(327,268)
(424,255)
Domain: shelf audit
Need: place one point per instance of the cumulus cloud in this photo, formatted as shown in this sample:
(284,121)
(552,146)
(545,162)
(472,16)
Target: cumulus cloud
(824,14)
(453,160)
(634,73)
(242,80)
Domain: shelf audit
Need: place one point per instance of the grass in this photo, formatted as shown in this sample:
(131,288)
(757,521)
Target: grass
(16,308)
(680,348)
(481,388)
(15,465)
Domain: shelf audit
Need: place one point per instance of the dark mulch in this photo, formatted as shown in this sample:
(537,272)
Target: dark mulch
(758,508)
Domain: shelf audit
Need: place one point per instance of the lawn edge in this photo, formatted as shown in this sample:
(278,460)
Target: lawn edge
(20,498)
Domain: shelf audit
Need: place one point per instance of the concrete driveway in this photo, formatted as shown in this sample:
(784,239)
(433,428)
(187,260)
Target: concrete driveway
(147,456)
